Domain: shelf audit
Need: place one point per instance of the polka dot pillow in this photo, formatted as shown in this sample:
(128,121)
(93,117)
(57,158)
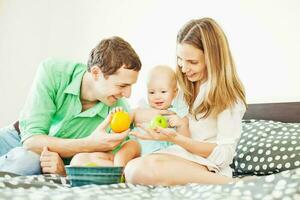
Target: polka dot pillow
(267,147)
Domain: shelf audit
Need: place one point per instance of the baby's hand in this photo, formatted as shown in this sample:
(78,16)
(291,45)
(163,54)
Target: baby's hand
(176,121)
(116,109)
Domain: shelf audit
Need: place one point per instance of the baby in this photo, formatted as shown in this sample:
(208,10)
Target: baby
(161,89)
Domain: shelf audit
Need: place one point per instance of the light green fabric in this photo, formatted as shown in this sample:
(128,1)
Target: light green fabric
(179,107)
(53,107)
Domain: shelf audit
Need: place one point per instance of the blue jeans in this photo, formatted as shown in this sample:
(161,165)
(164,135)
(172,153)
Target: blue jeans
(13,157)
(9,139)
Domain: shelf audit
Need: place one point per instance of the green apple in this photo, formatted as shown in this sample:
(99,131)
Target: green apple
(159,121)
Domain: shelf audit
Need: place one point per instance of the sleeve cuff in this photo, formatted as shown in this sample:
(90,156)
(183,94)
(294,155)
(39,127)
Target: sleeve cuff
(25,136)
(222,155)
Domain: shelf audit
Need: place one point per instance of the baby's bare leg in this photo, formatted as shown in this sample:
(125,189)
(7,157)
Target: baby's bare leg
(99,158)
(128,151)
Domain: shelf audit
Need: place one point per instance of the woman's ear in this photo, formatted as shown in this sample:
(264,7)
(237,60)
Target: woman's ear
(175,91)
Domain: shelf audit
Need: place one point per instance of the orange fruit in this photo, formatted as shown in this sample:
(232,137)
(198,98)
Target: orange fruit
(120,122)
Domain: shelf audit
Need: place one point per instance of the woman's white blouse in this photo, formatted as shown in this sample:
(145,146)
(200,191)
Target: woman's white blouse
(223,130)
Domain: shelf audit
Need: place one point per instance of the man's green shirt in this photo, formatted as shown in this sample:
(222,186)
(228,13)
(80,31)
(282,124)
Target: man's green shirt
(53,107)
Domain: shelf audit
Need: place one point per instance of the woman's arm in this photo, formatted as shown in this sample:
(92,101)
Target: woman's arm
(184,130)
(199,148)
(181,124)
(203,149)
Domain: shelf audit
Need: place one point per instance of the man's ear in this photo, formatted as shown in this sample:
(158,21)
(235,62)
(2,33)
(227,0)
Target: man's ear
(95,72)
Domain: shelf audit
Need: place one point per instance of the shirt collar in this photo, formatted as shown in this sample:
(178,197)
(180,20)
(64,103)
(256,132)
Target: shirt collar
(74,86)
(100,109)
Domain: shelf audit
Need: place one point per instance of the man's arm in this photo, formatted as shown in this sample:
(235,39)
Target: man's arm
(64,147)
(99,140)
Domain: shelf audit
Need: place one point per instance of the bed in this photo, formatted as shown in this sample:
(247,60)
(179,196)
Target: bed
(268,150)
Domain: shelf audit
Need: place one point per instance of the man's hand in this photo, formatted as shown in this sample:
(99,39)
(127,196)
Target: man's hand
(52,163)
(116,109)
(101,141)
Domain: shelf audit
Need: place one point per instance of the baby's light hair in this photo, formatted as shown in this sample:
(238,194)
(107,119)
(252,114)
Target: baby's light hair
(163,70)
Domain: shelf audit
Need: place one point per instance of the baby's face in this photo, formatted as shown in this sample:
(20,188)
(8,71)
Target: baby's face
(161,93)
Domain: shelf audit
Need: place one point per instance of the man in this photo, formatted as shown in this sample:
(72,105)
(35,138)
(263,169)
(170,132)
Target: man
(67,102)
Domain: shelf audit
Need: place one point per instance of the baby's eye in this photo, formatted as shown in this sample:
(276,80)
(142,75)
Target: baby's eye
(164,91)
(151,92)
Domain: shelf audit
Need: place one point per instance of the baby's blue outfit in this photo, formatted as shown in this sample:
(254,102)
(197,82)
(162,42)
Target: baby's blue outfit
(149,146)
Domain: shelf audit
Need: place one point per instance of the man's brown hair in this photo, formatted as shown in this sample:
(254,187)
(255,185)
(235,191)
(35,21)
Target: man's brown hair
(111,54)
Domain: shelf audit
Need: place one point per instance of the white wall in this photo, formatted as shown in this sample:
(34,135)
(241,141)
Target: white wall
(264,38)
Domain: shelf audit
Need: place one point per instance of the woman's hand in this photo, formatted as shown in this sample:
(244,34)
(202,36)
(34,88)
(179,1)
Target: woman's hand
(176,121)
(160,134)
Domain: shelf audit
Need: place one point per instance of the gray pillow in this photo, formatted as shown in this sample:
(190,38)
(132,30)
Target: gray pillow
(267,147)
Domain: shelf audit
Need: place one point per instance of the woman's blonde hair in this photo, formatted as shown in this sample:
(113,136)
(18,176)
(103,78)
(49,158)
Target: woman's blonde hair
(224,86)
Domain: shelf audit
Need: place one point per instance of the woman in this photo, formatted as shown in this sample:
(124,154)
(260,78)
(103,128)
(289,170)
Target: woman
(216,100)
